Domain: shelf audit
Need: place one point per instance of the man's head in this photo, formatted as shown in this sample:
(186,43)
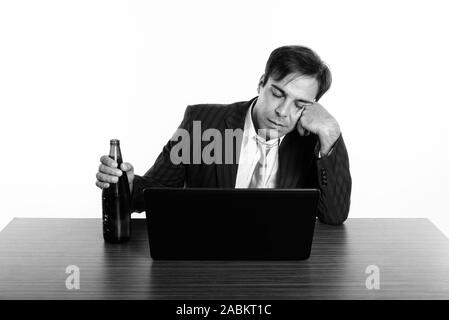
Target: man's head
(294,76)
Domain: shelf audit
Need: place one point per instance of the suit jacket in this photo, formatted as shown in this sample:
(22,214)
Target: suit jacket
(299,166)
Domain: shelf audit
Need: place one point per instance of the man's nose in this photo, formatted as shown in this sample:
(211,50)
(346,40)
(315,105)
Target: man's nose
(282,109)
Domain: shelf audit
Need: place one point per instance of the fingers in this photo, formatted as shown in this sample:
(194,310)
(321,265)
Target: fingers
(103,177)
(102,185)
(300,128)
(108,170)
(302,123)
(108,161)
(302,131)
(126,166)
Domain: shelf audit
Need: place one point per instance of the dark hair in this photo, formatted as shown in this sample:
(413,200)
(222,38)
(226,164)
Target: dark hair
(297,59)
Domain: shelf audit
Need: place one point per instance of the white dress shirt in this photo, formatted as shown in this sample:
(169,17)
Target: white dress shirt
(249,156)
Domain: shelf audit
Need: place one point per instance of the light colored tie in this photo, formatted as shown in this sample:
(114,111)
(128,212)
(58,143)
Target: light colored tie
(259,177)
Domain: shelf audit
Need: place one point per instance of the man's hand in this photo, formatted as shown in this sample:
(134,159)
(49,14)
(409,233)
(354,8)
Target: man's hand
(109,173)
(314,118)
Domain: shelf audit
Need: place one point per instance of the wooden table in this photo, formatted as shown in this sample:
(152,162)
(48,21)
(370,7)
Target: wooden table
(411,254)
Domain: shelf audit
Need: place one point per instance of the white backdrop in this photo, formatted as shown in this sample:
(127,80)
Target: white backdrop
(74,74)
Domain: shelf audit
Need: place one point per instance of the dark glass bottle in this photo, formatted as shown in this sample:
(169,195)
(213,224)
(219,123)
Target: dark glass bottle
(116,203)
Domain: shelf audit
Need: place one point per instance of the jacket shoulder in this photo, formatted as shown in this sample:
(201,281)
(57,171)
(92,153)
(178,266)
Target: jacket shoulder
(208,110)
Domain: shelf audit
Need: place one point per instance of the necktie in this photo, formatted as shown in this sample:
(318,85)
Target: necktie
(260,175)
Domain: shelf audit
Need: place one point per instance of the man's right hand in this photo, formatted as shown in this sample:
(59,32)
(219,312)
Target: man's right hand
(109,173)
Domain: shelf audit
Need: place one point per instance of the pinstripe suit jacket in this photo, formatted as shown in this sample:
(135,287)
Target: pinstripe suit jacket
(299,166)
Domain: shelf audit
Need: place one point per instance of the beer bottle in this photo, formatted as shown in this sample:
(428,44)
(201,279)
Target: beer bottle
(116,203)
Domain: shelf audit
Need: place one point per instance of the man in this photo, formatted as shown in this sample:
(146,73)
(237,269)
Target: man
(288,140)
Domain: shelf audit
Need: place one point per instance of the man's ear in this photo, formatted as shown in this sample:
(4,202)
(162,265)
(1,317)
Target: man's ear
(262,78)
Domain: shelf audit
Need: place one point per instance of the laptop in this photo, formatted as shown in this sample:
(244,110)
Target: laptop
(230,224)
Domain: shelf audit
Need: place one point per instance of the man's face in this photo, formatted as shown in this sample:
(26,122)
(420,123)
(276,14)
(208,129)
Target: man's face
(280,103)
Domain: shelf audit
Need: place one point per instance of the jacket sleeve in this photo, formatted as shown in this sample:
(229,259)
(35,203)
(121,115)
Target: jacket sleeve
(163,173)
(334,181)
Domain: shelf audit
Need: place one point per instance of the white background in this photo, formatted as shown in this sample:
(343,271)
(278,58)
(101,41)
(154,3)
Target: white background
(74,74)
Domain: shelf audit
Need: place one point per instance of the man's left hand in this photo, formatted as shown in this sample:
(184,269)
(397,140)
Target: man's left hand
(314,118)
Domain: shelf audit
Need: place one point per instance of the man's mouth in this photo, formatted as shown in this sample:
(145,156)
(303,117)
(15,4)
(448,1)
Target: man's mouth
(277,124)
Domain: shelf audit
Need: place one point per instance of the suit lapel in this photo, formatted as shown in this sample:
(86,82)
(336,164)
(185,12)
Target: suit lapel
(235,119)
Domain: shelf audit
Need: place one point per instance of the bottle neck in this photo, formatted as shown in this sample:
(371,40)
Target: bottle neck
(115,153)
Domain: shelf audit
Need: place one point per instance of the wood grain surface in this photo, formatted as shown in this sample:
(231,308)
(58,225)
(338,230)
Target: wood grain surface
(412,256)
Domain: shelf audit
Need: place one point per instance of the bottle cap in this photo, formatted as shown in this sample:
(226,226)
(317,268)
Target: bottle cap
(115,141)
